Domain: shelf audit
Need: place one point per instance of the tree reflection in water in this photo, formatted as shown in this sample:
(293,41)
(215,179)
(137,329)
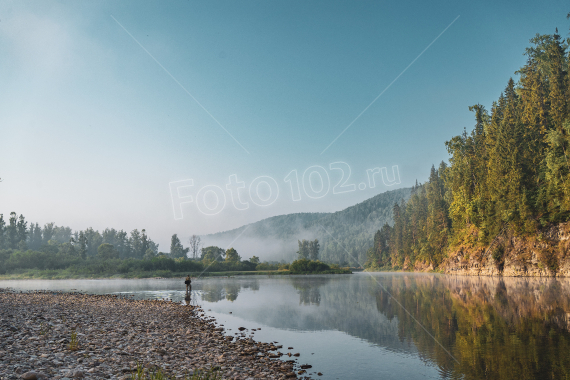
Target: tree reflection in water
(308,289)
(214,291)
(496,328)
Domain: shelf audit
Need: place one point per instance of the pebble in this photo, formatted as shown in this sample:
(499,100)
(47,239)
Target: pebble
(66,336)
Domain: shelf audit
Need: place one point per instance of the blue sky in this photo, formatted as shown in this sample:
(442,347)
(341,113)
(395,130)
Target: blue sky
(93,129)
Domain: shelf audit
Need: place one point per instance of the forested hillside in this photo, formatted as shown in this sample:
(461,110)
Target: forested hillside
(507,183)
(352,228)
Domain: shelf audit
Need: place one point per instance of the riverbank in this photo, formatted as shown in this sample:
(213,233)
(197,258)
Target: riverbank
(63,275)
(60,335)
(546,254)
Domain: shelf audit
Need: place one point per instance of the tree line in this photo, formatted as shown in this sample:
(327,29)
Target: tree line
(509,175)
(27,246)
(15,234)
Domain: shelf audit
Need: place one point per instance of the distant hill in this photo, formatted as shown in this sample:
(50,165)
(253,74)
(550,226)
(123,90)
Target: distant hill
(352,229)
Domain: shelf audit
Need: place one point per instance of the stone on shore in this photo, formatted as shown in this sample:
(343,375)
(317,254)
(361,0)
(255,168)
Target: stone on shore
(57,335)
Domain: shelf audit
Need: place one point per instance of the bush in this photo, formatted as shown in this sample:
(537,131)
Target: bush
(308,266)
(266,266)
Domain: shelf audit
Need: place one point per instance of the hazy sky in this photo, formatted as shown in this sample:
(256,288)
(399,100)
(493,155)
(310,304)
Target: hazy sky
(103,104)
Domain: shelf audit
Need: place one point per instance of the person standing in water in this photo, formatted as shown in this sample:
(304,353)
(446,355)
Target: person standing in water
(188,283)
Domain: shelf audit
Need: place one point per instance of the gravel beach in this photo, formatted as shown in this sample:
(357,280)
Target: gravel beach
(57,335)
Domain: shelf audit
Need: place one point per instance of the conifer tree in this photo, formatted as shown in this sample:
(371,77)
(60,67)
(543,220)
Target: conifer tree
(12,231)
(510,173)
(2,232)
(22,227)
(144,243)
(82,245)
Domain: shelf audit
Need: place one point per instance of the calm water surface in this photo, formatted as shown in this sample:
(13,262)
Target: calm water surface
(384,326)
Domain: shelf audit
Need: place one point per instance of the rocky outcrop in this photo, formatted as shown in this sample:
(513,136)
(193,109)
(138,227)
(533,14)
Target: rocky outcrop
(545,255)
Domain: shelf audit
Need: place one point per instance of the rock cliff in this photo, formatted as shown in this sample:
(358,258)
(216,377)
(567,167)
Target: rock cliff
(545,255)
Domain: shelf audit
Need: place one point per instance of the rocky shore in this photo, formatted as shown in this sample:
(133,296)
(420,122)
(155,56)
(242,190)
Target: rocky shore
(57,335)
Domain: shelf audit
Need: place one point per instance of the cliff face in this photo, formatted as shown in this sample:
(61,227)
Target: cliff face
(546,255)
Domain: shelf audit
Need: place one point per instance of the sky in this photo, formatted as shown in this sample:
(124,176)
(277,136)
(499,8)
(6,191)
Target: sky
(138,114)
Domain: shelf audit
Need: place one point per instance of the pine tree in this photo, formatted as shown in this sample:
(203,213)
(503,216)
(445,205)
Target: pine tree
(22,227)
(82,245)
(12,231)
(144,243)
(176,248)
(2,232)
(48,232)
(36,237)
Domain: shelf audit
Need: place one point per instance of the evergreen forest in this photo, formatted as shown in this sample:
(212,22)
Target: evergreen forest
(508,176)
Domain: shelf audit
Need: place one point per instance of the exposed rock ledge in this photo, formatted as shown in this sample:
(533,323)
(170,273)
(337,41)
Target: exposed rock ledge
(546,255)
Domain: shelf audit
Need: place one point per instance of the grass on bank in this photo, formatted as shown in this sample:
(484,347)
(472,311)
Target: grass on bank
(66,275)
(38,265)
(141,373)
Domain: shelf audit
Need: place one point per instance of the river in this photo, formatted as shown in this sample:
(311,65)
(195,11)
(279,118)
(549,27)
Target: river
(383,325)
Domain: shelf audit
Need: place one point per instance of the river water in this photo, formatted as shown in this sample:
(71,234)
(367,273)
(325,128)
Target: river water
(383,325)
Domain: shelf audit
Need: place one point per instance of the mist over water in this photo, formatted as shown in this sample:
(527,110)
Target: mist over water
(265,249)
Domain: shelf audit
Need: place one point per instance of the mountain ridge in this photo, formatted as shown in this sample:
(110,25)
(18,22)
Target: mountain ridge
(344,235)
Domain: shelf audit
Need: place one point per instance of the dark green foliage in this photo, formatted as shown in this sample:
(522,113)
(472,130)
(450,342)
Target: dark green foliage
(176,248)
(498,254)
(379,255)
(303,251)
(213,253)
(35,237)
(22,229)
(308,266)
(314,249)
(12,232)
(267,266)
(2,232)
(232,256)
(106,252)
(48,232)
(82,245)
(304,266)
(511,174)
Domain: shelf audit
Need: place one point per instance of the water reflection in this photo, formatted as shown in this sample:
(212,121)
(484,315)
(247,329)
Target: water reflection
(308,289)
(494,328)
(483,327)
(214,291)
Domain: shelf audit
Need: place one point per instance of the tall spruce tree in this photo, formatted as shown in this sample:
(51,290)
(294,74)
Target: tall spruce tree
(2,232)
(22,227)
(12,231)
